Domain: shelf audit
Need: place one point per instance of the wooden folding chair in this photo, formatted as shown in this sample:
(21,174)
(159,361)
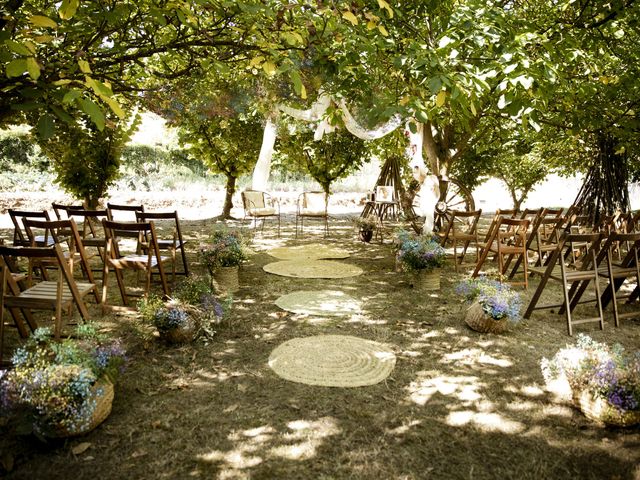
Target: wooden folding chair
(20,237)
(138,262)
(312,205)
(60,210)
(500,213)
(461,228)
(508,238)
(618,272)
(574,280)
(56,295)
(259,205)
(75,254)
(171,245)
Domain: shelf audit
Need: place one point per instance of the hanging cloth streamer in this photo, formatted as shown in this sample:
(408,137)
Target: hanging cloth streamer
(354,127)
(260,178)
(313,114)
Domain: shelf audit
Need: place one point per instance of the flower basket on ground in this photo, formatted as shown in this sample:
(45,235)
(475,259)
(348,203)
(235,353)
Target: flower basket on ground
(493,307)
(62,388)
(604,381)
(193,313)
(366,227)
(421,256)
(222,257)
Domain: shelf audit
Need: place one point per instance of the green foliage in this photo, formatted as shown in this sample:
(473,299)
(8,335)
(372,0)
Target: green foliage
(193,289)
(87,160)
(17,149)
(336,156)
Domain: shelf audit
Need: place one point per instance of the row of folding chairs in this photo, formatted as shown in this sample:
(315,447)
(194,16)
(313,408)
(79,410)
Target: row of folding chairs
(42,245)
(556,245)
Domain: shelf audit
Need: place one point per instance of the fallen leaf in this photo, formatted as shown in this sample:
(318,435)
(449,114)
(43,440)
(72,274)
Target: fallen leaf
(81,448)
(138,453)
(242,388)
(230,409)
(88,458)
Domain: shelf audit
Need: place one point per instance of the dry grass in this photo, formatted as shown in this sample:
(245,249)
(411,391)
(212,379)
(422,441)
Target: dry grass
(459,405)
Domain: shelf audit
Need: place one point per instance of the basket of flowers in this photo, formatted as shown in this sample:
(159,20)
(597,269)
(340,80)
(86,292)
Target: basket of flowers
(604,381)
(222,257)
(193,313)
(421,256)
(366,226)
(63,388)
(493,304)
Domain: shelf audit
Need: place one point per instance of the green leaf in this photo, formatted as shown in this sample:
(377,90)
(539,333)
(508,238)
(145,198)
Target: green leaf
(441,98)
(16,67)
(422,116)
(435,84)
(45,126)
(61,114)
(94,111)
(84,66)
(68,9)
(347,15)
(70,96)
(297,82)
(33,68)
(115,106)
(17,47)
(269,68)
(42,21)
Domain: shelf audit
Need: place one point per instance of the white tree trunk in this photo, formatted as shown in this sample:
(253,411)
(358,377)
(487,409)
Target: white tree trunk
(260,180)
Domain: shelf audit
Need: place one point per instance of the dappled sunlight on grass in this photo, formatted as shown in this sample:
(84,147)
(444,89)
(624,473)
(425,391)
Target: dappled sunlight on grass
(472,356)
(429,383)
(487,422)
(298,440)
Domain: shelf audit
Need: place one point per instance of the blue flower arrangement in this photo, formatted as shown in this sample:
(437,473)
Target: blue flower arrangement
(53,381)
(415,252)
(498,300)
(608,373)
(224,250)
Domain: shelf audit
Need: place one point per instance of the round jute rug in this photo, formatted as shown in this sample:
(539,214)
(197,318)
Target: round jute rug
(319,302)
(332,361)
(311,251)
(312,269)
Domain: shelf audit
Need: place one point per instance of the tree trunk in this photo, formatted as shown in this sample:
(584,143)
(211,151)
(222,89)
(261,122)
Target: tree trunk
(230,189)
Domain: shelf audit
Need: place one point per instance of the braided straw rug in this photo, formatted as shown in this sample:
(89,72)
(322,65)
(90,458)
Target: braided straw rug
(332,361)
(319,302)
(311,251)
(312,269)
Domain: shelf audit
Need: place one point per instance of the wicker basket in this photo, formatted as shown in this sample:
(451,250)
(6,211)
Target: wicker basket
(226,279)
(598,409)
(426,280)
(483,323)
(102,393)
(179,335)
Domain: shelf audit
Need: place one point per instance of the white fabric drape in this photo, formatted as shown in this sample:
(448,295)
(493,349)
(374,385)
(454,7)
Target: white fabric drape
(429,192)
(313,114)
(260,179)
(357,130)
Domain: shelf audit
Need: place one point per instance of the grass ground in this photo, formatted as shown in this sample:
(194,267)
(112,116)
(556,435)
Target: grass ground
(459,405)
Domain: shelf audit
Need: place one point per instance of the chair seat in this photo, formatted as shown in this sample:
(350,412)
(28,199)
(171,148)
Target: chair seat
(44,293)
(312,213)
(137,261)
(570,273)
(261,212)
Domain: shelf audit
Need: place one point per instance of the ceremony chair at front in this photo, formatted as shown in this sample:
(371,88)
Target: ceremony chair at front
(312,205)
(138,262)
(260,205)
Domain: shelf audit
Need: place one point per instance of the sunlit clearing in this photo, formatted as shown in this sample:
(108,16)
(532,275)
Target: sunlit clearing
(472,356)
(433,334)
(487,422)
(248,300)
(451,331)
(521,406)
(464,389)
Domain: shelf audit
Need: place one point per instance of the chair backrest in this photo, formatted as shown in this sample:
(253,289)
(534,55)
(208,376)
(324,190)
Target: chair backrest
(123,213)
(314,201)
(253,199)
(91,221)
(143,231)
(20,237)
(500,213)
(461,221)
(143,217)
(510,229)
(61,210)
(384,193)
